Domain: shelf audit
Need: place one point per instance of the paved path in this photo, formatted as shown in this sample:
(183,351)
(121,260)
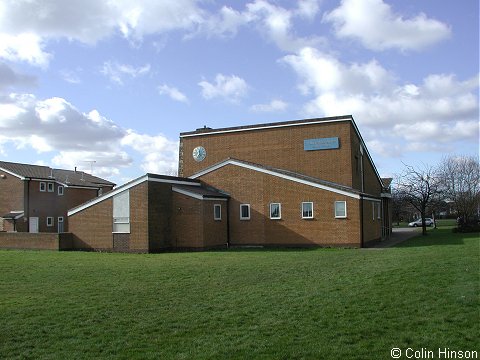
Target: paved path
(398,235)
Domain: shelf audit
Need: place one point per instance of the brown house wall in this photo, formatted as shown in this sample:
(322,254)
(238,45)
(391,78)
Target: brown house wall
(139,217)
(92,227)
(372,226)
(214,231)
(187,226)
(277,147)
(11,198)
(159,215)
(259,190)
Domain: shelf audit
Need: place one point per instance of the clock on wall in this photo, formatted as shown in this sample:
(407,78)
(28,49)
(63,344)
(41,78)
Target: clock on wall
(199,153)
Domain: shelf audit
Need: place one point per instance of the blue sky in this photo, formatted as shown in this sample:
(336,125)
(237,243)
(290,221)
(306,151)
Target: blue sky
(115,82)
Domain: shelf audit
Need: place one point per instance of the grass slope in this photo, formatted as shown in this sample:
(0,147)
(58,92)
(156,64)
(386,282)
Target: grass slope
(324,303)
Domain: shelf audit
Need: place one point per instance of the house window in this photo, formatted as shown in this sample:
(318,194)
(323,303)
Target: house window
(340,209)
(217,212)
(275,211)
(51,187)
(43,187)
(60,190)
(244,211)
(49,221)
(379,216)
(121,212)
(307,210)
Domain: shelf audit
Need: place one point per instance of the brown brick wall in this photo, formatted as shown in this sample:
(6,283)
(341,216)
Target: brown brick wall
(259,190)
(45,204)
(159,215)
(45,241)
(11,196)
(139,217)
(372,226)
(187,226)
(214,231)
(92,227)
(278,147)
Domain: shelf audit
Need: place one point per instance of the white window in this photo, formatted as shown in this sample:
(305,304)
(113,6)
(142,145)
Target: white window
(275,211)
(244,211)
(60,190)
(340,209)
(43,186)
(121,212)
(217,212)
(49,221)
(51,187)
(307,210)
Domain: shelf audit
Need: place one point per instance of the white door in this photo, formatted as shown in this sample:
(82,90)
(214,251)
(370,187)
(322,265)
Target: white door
(33,224)
(60,224)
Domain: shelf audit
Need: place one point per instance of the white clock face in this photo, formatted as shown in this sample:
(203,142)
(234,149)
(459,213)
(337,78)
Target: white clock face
(199,153)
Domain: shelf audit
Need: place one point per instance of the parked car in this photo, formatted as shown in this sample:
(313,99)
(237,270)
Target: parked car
(418,222)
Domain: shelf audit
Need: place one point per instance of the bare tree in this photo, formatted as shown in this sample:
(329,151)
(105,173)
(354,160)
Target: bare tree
(419,188)
(460,182)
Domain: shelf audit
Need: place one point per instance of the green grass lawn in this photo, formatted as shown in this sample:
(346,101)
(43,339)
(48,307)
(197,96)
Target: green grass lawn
(278,304)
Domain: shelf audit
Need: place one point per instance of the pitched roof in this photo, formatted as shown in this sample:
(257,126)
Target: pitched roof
(200,192)
(194,187)
(285,174)
(206,130)
(64,177)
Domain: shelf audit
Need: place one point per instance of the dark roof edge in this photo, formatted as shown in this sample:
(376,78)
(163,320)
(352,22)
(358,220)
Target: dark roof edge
(207,131)
(132,183)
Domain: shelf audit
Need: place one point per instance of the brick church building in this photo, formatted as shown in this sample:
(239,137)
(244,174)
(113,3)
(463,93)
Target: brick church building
(296,183)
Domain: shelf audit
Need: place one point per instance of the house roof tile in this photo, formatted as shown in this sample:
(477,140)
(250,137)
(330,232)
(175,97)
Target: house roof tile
(65,177)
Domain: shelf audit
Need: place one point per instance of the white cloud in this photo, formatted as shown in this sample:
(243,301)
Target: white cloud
(74,138)
(116,72)
(10,78)
(439,110)
(272,21)
(160,154)
(274,106)
(55,125)
(173,93)
(276,23)
(70,76)
(231,88)
(377,27)
(24,47)
(26,26)
(322,73)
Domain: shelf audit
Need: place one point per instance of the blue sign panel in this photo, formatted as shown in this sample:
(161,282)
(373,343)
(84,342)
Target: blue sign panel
(321,144)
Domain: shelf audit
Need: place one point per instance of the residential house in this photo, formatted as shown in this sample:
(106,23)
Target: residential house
(36,198)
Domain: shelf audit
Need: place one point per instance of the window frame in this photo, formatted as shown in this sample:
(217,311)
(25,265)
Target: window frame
(215,207)
(121,213)
(43,186)
(60,190)
(379,206)
(279,217)
(344,209)
(50,221)
(52,186)
(302,211)
(241,213)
